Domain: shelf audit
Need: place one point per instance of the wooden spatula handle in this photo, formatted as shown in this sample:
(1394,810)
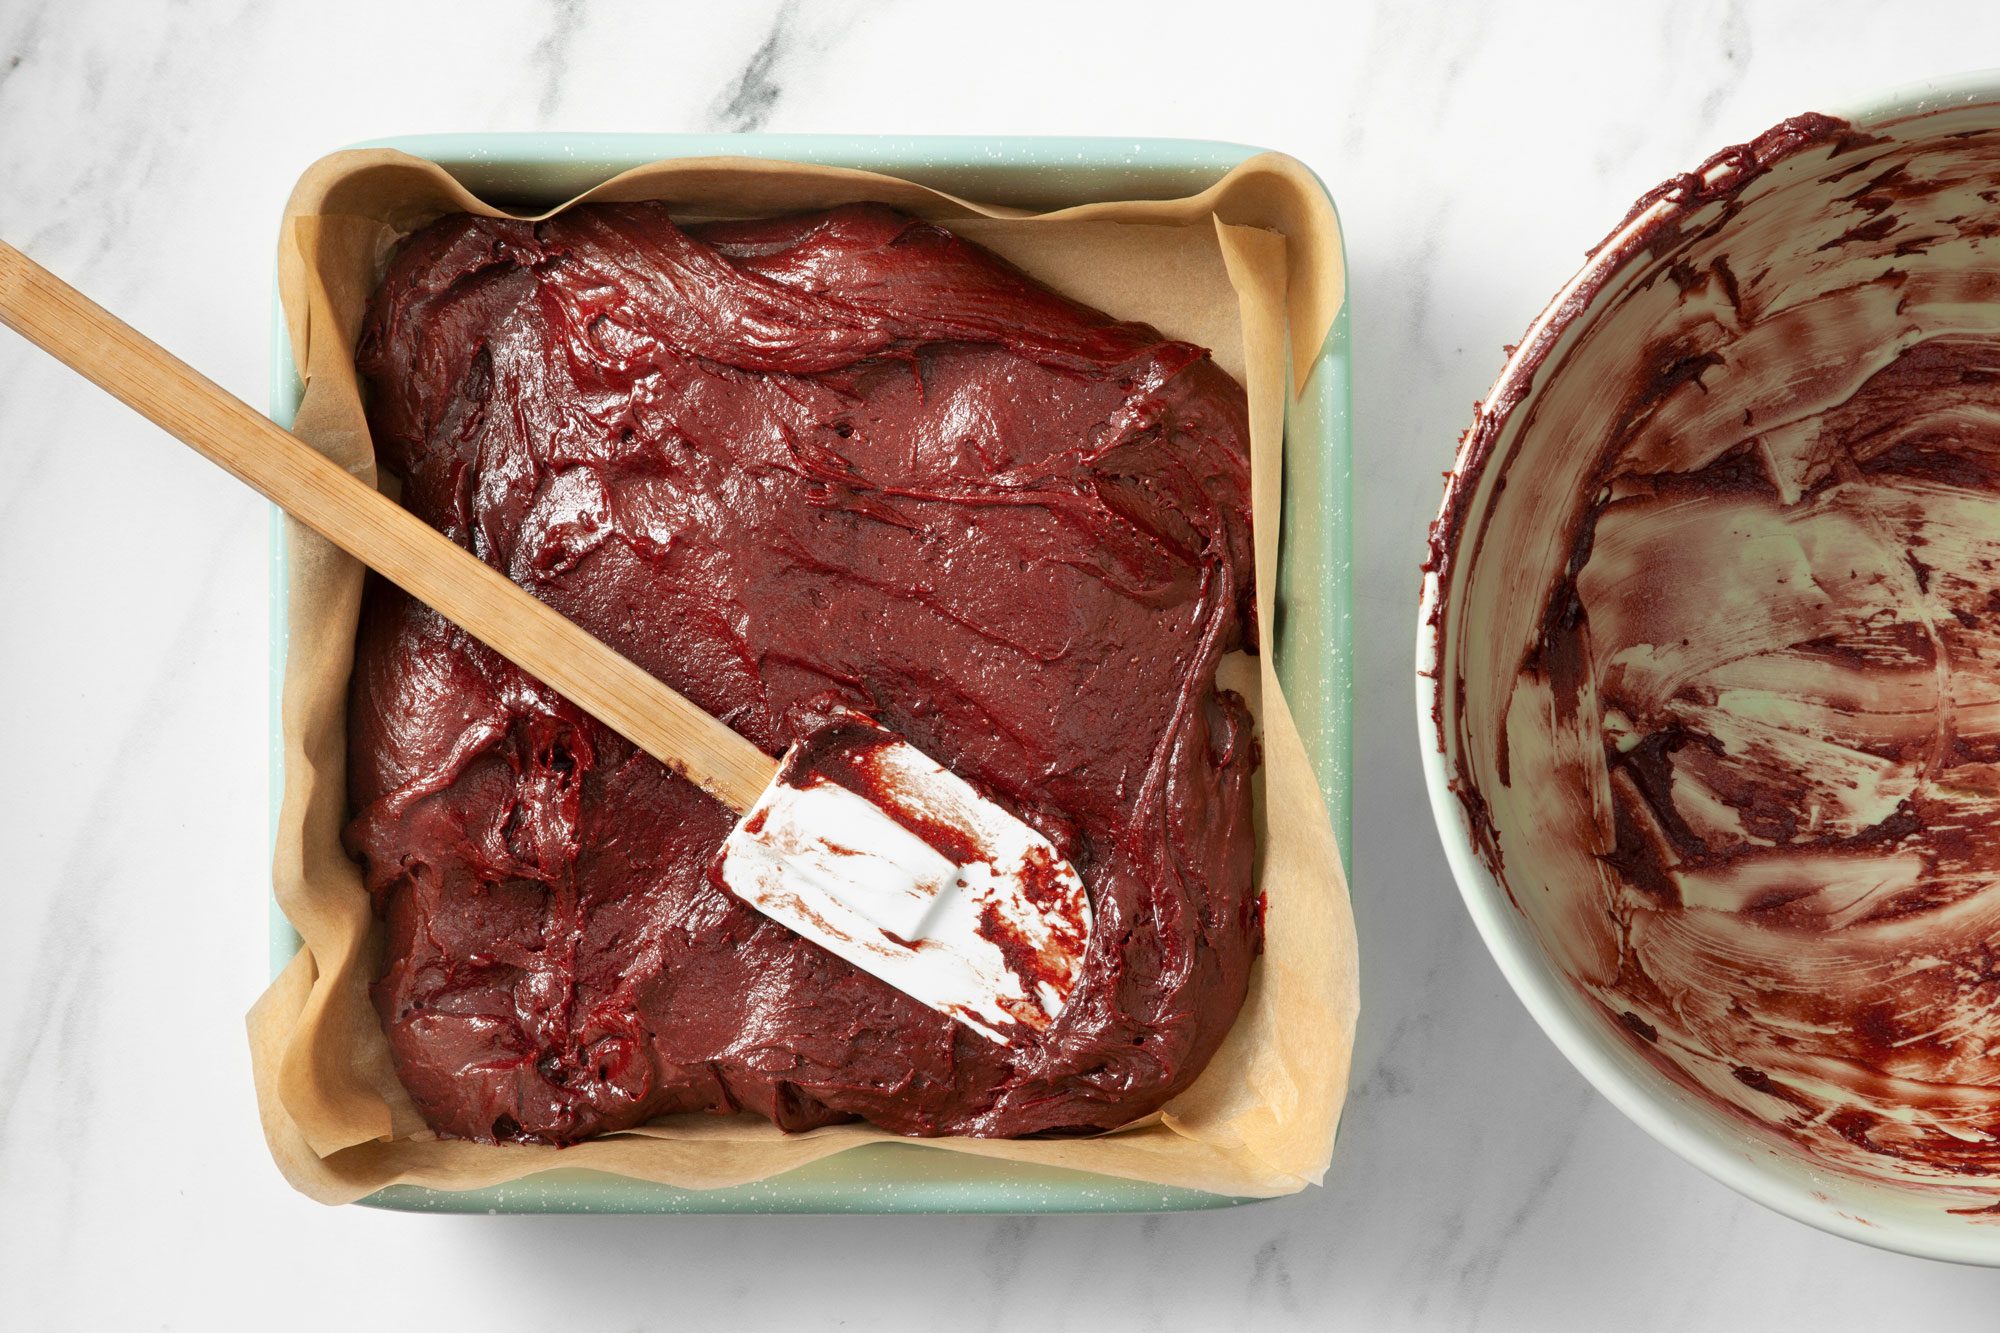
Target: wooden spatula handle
(377,531)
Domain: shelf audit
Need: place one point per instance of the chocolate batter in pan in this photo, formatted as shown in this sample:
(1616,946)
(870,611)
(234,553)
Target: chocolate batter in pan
(837,460)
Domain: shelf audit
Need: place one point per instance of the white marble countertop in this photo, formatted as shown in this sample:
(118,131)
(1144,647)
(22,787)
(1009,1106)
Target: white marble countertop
(1476,149)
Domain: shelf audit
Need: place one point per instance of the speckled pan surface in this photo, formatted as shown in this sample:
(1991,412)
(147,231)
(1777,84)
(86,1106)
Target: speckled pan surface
(1313,649)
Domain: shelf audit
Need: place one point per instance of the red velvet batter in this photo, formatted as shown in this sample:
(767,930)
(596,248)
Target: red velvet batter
(837,459)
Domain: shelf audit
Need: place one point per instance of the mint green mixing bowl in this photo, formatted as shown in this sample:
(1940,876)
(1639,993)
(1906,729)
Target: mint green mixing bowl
(1314,651)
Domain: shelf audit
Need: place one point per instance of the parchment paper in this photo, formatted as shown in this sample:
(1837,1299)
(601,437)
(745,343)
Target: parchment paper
(1250,268)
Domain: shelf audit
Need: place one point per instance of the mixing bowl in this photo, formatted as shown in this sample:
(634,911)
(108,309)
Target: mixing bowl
(1709,669)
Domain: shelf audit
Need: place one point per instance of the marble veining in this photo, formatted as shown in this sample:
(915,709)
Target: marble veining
(745,104)
(1476,149)
(550,58)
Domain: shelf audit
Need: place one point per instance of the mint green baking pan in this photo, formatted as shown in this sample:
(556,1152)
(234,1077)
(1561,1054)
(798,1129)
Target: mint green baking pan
(1314,654)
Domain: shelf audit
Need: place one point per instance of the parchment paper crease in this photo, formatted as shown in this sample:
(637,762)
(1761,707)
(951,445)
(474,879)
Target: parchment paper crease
(1250,268)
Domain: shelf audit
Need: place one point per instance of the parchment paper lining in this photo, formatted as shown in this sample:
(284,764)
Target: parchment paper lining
(1248,268)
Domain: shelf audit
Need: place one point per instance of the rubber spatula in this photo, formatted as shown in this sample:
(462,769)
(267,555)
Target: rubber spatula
(856,840)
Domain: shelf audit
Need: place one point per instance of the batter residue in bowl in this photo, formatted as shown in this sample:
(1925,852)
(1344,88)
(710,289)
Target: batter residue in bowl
(1739,754)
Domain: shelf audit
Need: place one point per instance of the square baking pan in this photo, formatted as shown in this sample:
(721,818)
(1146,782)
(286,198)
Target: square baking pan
(1313,649)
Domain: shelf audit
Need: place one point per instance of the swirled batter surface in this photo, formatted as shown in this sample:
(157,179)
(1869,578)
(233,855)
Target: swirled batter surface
(837,460)
(1737,749)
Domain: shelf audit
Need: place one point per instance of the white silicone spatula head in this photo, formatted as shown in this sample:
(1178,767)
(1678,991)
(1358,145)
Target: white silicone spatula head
(876,852)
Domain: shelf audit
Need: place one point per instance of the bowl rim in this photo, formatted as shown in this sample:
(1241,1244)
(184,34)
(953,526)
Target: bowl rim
(1549,997)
